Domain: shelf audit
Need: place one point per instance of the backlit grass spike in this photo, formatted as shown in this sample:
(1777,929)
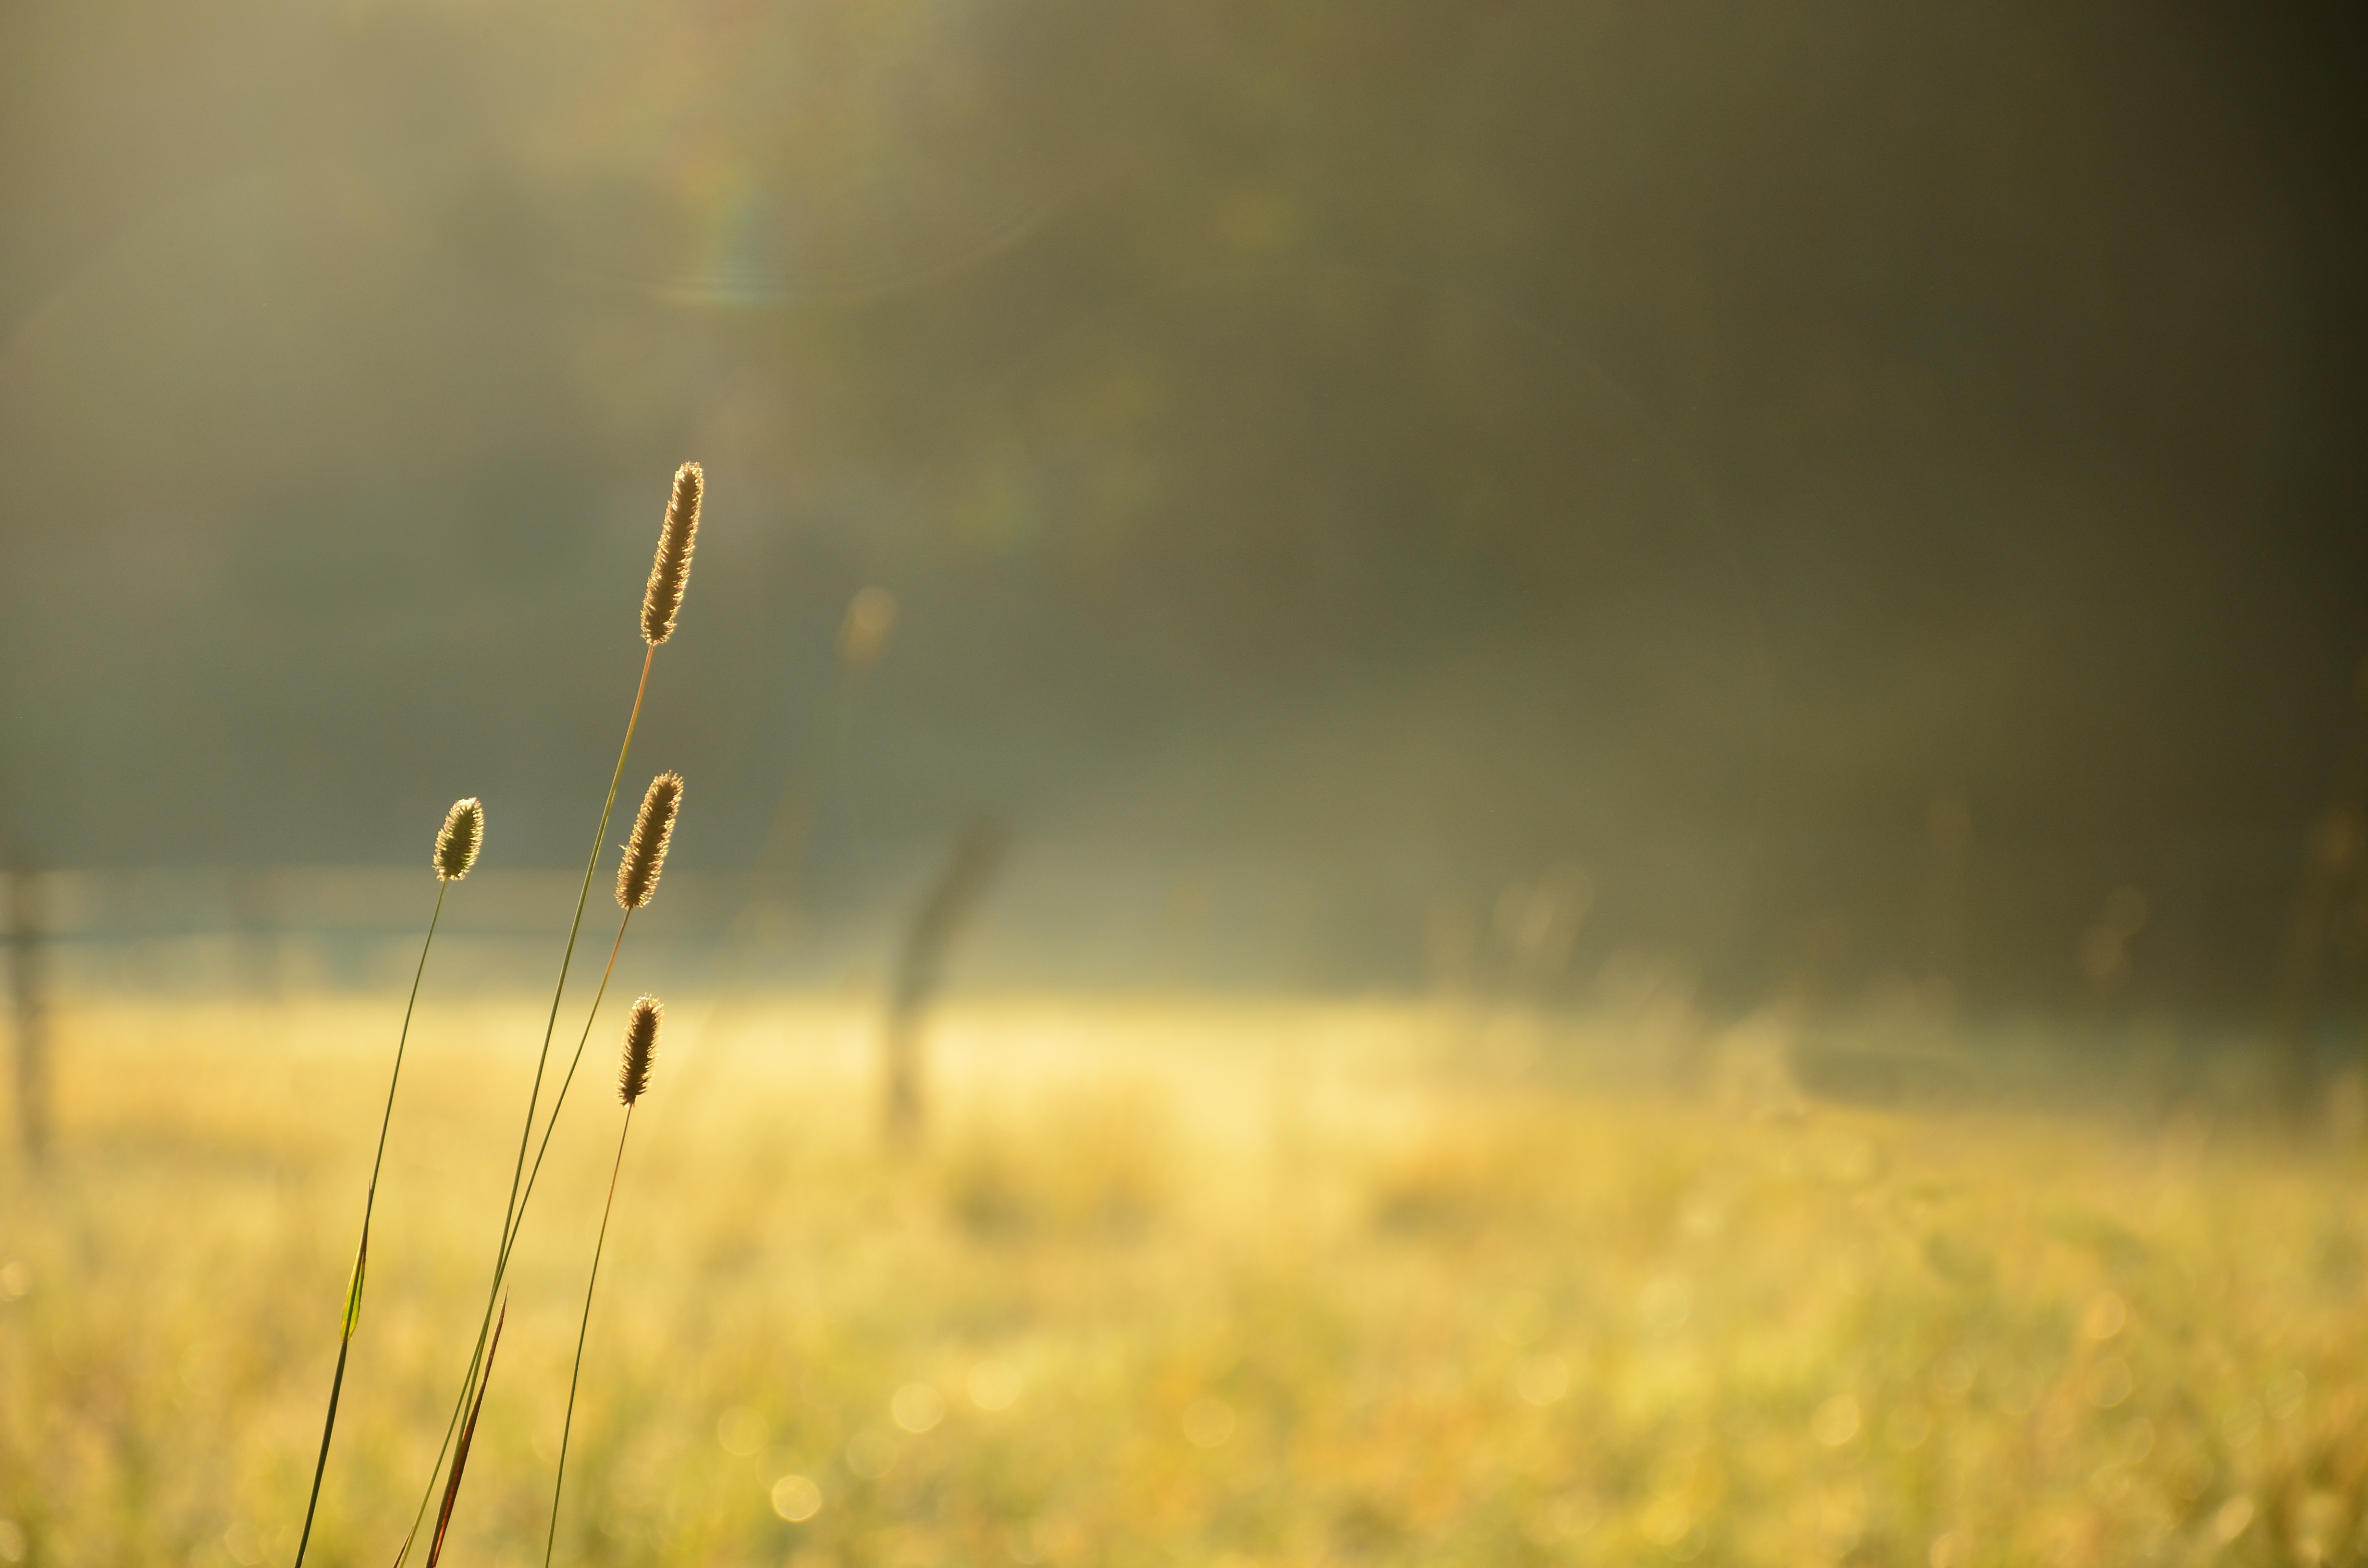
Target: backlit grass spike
(641,1045)
(645,851)
(670,573)
(458,842)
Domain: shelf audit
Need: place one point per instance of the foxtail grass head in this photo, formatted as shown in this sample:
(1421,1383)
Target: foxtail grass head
(456,846)
(640,1046)
(645,851)
(671,571)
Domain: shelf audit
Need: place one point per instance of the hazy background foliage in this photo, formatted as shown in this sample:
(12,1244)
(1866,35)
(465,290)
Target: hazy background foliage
(1333,461)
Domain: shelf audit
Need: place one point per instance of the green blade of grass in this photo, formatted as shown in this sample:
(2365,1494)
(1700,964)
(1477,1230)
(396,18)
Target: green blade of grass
(567,1427)
(361,1254)
(468,1435)
(354,1294)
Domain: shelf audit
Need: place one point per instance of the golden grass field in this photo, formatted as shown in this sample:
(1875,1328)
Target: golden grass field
(1171,1283)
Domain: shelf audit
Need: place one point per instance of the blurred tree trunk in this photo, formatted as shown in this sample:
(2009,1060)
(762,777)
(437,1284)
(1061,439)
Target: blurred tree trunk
(2332,864)
(920,968)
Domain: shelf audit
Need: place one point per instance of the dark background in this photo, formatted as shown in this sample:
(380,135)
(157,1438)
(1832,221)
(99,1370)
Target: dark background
(1853,485)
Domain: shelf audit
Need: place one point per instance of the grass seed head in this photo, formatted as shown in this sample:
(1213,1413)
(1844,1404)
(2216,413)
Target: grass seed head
(641,1045)
(637,874)
(671,570)
(456,846)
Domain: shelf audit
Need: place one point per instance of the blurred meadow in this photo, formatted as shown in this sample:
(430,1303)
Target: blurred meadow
(1460,784)
(1203,1282)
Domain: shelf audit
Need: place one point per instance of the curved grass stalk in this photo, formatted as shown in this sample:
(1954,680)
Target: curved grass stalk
(480,1355)
(517,1218)
(510,1210)
(468,1436)
(567,1427)
(560,1100)
(361,1253)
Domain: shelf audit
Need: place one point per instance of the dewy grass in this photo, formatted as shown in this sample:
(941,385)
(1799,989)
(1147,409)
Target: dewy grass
(456,850)
(661,600)
(633,1081)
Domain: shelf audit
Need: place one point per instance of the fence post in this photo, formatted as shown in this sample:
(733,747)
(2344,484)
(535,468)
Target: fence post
(27,985)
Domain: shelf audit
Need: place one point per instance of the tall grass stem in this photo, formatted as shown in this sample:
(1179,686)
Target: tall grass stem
(478,1354)
(511,1207)
(370,1202)
(567,1425)
(566,1080)
(460,1455)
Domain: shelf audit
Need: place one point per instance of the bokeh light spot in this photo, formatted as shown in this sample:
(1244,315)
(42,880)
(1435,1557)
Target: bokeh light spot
(870,1453)
(1665,1305)
(918,1407)
(741,1431)
(1836,1422)
(2110,1384)
(1542,1380)
(1208,1423)
(993,1385)
(796,1499)
(2105,1317)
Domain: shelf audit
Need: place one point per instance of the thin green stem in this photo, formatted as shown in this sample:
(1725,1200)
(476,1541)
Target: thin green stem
(568,1426)
(560,1100)
(510,1232)
(582,894)
(361,1252)
(510,1209)
(468,1436)
(509,1241)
